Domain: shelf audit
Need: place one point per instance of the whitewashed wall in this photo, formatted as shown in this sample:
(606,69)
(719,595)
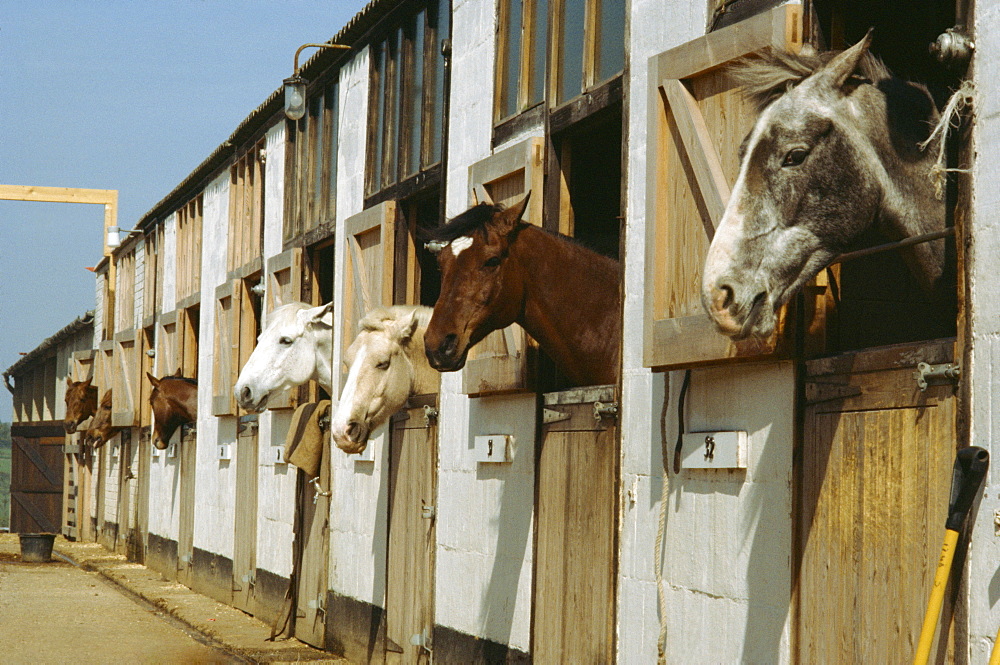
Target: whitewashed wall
(727,569)
(275,482)
(359,503)
(215,480)
(982,581)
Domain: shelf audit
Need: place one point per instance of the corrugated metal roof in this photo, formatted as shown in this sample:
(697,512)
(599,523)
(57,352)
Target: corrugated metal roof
(81,323)
(354,34)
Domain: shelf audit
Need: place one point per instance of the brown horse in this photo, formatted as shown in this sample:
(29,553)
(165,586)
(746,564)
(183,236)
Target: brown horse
(101,430)
(81,403)
(497,270)
(175,402)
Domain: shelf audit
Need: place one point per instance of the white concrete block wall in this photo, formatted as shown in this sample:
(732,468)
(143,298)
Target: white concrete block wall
(215,480)
(727,572)
(275,482)
(164,503)
(983,314)
(358,506)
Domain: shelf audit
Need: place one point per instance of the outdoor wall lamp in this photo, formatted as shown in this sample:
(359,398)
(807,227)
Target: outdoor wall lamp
(295,85)
(115,238)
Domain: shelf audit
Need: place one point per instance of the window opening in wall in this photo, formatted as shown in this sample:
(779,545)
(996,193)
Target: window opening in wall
(311,169)
(522,46)
(320,287)
(418,282)
(879,301)
(190,331)
(406,99)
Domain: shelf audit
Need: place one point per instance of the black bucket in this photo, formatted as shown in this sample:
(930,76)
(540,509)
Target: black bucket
(36,547)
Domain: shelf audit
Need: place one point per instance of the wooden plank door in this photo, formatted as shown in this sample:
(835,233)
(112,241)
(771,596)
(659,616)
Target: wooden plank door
(575,562)
(36,478)
(310,622)
(873,485)
(412,503)
(245,540)
(137,547)
(187,452)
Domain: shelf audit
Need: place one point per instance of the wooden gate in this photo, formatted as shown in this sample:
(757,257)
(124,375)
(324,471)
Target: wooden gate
(36,477)
(412,504)
(245,536)
(873,484)
(310,622)
(185,448)
(574,603)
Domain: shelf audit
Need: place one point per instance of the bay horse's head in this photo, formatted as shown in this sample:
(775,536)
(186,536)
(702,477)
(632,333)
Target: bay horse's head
(833,153)
(384,362)
(101,430)
(174,401)
(482,288)
(296,346)
(81,403)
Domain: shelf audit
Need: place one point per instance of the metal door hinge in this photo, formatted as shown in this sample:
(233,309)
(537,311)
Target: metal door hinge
(936,375)
(553,416)
(422,640)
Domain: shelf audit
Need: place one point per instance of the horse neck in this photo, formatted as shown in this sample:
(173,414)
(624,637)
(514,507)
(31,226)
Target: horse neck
(571,305)
(323,369)
(426,379)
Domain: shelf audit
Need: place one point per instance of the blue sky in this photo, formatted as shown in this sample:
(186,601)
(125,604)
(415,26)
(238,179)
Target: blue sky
(120,95)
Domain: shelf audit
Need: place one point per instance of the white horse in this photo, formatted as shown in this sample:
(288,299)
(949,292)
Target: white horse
(386,365)
(296,346)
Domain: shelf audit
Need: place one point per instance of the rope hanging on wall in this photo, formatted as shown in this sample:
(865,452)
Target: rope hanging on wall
(950,118)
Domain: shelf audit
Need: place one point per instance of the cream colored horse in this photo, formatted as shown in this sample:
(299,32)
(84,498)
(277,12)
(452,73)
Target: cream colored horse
(387,365)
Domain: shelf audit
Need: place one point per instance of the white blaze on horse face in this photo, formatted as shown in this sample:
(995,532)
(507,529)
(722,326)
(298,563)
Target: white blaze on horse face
(343,415)
(459,245)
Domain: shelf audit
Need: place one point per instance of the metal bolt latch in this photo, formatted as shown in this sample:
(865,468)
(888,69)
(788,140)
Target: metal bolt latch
(709,448)
(319,490)
(927,375)
(430,415)
(605,410)
(426,511)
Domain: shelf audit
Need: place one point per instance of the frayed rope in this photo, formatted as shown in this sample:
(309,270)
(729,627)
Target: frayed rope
(950,118)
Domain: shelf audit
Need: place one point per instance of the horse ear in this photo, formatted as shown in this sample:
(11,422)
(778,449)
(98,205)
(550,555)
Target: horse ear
(403,329)
(839,70)
(153,380)
(508,218)
(87,381)
(322,315)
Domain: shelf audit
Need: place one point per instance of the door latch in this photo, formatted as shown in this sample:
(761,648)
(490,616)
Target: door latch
(605,410)
(936,375)
(430,415)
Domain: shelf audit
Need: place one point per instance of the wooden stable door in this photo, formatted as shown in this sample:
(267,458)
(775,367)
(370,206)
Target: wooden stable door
(310,621)
(186,451)
(36,477)
(874,480)
(574,604)
(410,570)
(245,535)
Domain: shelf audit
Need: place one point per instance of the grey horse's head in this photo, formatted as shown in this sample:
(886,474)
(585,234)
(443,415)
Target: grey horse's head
(825,161)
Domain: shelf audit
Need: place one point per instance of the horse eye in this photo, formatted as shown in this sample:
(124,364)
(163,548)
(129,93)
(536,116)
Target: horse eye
(285,341)
(383,365)
(492,262)
(795,157)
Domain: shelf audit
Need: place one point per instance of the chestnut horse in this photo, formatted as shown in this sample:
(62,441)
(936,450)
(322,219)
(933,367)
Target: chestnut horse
(175,402)
(81,403)
(101,430)
(497,270)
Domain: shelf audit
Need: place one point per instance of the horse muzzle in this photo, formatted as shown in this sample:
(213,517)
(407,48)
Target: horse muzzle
(446,356)
(735,317)
(354,438)
(248,401)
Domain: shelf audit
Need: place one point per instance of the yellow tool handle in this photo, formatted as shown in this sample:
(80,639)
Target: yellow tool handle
(937,598)
(995,654)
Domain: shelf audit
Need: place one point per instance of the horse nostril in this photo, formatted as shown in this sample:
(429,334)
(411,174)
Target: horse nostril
(722,297)
(356,431)
(246,394)
(448,345)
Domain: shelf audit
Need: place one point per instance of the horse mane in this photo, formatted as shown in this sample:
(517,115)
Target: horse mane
(185,379)
(768,75)
(377,318)
(471,220)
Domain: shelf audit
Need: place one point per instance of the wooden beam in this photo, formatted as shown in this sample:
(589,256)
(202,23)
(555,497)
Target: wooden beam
(58,194)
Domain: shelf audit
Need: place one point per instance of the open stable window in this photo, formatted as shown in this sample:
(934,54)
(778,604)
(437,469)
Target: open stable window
(152,289)
(237,325)
(368,265)
(284,286)
(499,363)
(189,219)
(406,100)
(246,210)
(698,118)
(312,170)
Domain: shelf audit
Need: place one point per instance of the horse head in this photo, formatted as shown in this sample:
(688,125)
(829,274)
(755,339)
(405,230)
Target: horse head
(385,362)
(101,430)
(81,403)
(833,153)
(482,285)
(174,401)
(296,346)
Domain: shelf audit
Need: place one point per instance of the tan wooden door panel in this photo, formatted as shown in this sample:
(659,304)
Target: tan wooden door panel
(698,118)
(245,512)
(874,480)
(226,361)
(125,383)
(36,479)
(412,540)
(187,454)
(574,596)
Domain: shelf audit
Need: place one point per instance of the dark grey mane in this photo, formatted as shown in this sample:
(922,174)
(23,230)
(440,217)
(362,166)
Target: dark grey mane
(768,75)
(472,219)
